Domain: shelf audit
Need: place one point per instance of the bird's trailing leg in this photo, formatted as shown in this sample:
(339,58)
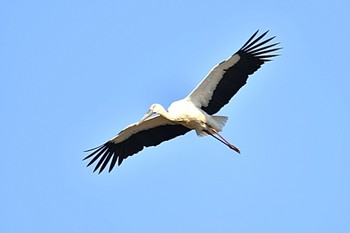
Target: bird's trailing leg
(223,140)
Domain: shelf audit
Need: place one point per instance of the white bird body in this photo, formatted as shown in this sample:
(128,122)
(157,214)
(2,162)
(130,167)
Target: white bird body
(194,112)
(188,114)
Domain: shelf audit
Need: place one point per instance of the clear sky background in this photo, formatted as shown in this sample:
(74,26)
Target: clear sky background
(74,73)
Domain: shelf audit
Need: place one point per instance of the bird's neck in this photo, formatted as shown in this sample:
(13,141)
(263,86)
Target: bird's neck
(164,113)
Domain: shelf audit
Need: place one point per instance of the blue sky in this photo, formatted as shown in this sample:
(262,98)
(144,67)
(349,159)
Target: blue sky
(74,73)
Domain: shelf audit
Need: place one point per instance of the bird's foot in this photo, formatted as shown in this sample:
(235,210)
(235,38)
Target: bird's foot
(234,148)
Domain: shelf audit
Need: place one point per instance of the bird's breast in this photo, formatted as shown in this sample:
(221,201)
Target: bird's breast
(187,114)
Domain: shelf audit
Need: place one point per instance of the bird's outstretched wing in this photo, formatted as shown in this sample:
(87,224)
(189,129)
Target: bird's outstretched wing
(133,139)
(225,79)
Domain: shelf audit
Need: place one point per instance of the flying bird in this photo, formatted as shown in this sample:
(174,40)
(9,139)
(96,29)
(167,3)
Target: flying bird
(194,112)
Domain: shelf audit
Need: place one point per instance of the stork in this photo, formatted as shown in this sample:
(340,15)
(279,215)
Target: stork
(194,112)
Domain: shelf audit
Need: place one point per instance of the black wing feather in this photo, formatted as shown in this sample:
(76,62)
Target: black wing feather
(253,54)
(114,152)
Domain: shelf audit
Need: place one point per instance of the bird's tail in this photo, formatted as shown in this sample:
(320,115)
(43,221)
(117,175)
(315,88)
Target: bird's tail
(218,122)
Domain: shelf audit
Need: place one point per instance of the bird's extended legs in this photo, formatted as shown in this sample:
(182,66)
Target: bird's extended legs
(223,140)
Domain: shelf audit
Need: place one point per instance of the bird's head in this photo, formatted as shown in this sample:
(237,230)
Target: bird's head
(155,108)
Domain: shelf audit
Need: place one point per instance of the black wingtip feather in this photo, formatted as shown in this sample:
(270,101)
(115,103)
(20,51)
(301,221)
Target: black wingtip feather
(264,48)
(111,166)
(248,41)
(248,44)
(98,152)
(258,46)
(260,50)
(92,149)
